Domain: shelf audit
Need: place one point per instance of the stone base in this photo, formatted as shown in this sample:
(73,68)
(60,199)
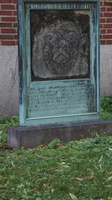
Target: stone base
(32,136)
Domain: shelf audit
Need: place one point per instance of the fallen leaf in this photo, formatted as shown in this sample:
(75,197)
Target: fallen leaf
(73,196)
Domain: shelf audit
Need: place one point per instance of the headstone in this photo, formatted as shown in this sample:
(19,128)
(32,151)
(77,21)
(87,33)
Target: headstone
(58,61)
(58,70)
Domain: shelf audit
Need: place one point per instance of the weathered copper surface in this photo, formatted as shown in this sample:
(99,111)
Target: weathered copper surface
(58,61)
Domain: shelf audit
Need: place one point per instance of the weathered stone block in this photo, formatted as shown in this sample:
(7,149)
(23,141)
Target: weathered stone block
(32,136)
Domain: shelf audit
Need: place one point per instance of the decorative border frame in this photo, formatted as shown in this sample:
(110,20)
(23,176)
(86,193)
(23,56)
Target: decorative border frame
(24,7)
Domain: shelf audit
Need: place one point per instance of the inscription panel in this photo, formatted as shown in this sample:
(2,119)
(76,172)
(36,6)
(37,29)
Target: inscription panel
(64,98)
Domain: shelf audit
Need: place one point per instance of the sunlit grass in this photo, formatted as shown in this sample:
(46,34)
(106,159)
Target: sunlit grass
(81,168)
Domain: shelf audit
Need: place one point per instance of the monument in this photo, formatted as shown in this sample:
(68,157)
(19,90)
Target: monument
(58,66)
(58,61)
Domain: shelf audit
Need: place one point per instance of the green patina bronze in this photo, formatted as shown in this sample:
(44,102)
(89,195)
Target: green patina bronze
(58,61)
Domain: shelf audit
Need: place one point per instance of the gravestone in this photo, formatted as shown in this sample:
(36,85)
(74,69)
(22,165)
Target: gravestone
(58,62)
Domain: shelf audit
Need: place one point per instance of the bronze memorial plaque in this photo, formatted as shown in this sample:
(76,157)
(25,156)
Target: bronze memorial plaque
(60,44)
(58,61)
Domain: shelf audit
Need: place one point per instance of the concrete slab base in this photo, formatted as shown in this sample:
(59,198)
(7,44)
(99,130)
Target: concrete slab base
(32,136)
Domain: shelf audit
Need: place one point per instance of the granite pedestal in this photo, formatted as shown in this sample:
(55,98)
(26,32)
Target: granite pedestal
(32,136)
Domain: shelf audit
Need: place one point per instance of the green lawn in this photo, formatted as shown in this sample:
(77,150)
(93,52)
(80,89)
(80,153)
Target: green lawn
(55,172)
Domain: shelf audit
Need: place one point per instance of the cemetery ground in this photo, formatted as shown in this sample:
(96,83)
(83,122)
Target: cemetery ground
(78,170)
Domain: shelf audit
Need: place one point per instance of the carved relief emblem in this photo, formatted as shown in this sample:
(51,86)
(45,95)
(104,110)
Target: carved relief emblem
(59,46)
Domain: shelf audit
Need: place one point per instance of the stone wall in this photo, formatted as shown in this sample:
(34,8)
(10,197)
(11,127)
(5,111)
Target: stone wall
(105,69)
(8,80)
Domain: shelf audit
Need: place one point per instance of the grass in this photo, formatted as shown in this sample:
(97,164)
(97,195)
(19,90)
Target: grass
(81,169)
(6,122)
(106,115)
(106,107)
